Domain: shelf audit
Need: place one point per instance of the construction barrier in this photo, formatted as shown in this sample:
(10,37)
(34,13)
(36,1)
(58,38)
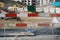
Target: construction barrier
(25,25)
(28,25)
(30,15)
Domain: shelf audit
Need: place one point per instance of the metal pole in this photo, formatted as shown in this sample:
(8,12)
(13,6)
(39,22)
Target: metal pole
(52,28)
(5,33)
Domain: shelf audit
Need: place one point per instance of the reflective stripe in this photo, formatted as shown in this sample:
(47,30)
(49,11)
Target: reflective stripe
(22,15)
(32,24)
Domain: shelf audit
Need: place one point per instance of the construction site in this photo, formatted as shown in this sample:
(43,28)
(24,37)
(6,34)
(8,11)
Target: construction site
(29,19)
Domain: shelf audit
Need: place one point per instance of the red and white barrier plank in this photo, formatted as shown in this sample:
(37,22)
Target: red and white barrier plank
(25,25)
(27,15)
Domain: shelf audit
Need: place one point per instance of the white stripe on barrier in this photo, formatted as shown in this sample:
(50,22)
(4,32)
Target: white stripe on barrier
(11,24)
(32,24)
(2,15)
(39,18)
(43,14)
(22,15)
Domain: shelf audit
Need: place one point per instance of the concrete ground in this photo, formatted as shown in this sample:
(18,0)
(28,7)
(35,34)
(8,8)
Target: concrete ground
(46,37)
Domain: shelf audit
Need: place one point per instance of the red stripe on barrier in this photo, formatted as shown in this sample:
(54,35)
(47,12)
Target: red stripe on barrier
(33,15)
(1,25)
(21,25)
(43,24)
(11,15)
(54,15)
